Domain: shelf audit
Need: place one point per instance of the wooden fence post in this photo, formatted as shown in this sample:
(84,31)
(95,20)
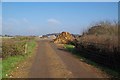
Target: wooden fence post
(26,48)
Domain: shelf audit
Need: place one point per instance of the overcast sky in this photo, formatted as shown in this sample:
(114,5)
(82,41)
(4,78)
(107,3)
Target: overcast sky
(38,18)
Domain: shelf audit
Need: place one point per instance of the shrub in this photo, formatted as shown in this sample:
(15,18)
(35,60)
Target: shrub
(105,33)
(11,47)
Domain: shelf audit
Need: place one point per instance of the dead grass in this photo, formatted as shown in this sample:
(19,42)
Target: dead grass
(105,33)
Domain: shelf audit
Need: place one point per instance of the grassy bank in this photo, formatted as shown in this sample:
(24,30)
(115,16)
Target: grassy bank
(107,70)
(10,63)
(0,68)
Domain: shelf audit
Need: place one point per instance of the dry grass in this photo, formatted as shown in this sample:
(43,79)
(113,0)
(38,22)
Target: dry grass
(14,46)
(105,33)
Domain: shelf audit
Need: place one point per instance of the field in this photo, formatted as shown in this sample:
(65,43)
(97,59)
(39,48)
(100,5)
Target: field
(15,50)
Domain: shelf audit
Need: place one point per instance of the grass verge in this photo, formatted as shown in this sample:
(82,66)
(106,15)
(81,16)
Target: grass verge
(110,72)
(10,63)
(0,69)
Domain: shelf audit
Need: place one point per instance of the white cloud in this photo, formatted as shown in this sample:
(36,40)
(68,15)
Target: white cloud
(53,21)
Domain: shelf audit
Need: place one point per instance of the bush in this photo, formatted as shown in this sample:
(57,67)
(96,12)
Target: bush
(11,47)
(100,44)
(102,33)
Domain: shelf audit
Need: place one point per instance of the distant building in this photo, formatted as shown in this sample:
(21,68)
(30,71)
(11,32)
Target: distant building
(40,36)
(52,37)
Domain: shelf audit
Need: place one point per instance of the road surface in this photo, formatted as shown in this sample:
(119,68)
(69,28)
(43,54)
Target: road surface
(52,62)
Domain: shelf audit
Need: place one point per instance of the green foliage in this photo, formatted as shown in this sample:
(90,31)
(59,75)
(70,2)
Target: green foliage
(31,46)
(9,63)
(69,46)
(0,68)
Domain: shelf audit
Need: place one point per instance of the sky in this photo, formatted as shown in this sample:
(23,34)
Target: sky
(60,0)
(39,18)
(0,18)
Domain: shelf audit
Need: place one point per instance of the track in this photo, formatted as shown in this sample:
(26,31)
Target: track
(50,61)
